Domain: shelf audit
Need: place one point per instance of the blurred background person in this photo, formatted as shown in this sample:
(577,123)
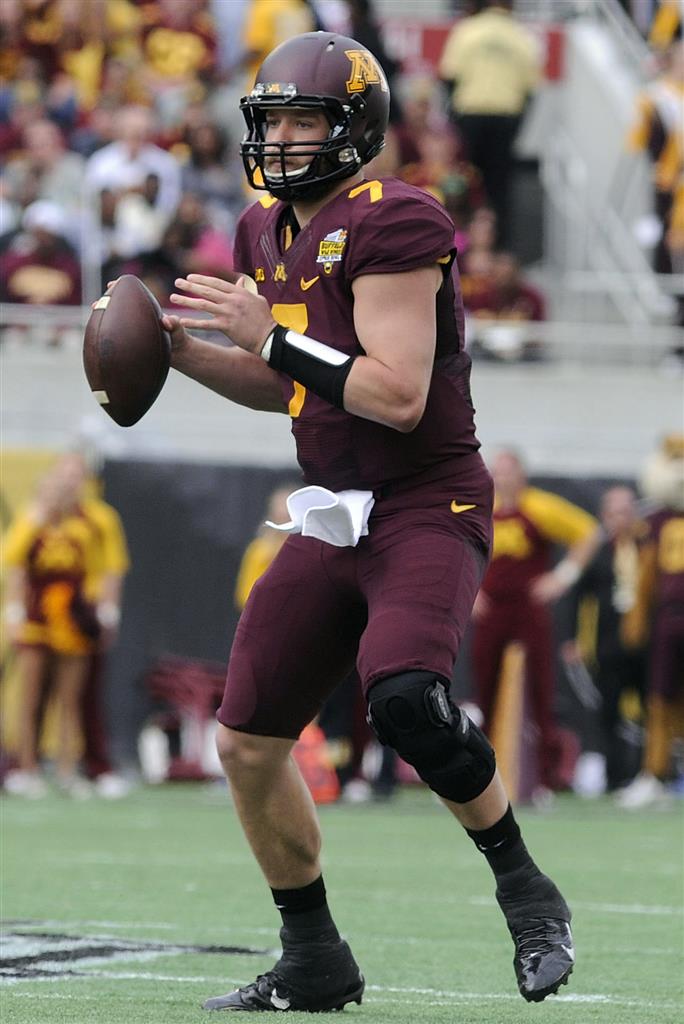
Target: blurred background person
(518,590)
(179,53)
(269,23)
(49,552)
(504,296)
(658,131)
(213,172)
(364,28)
(657,621)
(128,163)
(103,592)
(66,557)
(492,65)
(605,593)
(263,548)
(38,265)
(43,168)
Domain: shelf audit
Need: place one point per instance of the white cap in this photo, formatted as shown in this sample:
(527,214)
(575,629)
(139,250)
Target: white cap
(45,215)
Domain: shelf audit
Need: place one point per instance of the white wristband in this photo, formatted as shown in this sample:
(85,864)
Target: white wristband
(266,350)
(567,572)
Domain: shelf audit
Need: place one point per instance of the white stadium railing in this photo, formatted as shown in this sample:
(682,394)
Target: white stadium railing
(569,342)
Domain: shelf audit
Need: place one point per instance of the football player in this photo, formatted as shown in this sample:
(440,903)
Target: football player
(357,333)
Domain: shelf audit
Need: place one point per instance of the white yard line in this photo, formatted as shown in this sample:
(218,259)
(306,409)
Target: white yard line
(381,994)
(599,908)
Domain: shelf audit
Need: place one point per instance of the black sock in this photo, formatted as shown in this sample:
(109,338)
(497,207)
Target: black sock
(503,847)
(305,909)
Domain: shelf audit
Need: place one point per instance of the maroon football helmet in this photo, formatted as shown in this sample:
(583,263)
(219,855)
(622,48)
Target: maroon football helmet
(325,72)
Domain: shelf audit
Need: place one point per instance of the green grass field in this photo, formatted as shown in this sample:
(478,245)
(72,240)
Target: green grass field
(167,868)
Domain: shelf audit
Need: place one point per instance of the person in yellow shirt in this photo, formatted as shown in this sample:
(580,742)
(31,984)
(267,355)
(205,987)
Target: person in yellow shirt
(513,604)
(65,564)
(104,592)
(261,551)
(492,65)
(269,23)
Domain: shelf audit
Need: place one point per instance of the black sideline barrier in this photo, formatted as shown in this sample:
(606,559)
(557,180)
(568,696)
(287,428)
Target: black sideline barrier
(187,526)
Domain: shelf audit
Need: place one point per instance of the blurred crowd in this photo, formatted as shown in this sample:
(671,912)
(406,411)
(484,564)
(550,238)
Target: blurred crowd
(119,132)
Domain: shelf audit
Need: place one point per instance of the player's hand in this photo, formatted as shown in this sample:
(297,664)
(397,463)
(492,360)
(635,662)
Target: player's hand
(244,317)
(547,588)
(179,336)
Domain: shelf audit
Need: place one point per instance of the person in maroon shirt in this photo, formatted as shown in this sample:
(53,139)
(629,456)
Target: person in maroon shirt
(357,333)
(657,620)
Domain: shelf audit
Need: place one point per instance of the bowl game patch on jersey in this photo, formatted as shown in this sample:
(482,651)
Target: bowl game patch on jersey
(331,248)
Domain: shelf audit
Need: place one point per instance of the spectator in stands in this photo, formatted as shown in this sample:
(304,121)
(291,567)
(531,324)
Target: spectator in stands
(229,26)
(513,605)
(10,211)
(37,263)
(45,169)
(179,53)
(482,231)
(363,27)
(657,618)
(126,164)
(269,23)
(605,593)
(659,132)
(190,244)
(213,172)
(440,168)
(666,24)
(422,115)
(68,43)
(492,64)
(476,258)
(98,131)
(675,236)
(511,301)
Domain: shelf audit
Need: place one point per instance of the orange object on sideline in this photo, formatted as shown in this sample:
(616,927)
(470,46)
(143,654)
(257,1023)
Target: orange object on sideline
(311,754)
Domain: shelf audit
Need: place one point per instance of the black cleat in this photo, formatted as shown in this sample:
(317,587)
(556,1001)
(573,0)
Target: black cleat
(538,919)
(313,977)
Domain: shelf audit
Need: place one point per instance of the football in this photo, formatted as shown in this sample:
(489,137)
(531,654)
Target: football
(126,351)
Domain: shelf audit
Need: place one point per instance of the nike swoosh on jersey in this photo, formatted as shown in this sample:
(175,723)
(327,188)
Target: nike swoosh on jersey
(305,285)
(456,508)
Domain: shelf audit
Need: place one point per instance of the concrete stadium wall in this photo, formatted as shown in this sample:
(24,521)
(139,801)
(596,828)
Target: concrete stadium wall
(565,418)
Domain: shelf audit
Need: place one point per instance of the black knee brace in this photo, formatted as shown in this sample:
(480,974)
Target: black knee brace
(414,714)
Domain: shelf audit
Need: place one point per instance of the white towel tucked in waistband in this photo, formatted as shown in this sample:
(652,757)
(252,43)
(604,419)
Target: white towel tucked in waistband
(339,519)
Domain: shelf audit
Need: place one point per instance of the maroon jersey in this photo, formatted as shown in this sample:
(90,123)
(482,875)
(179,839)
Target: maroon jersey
(666,531)
(377,227)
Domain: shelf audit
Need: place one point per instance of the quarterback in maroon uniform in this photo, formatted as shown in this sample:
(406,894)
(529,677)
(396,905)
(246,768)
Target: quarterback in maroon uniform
(357,333)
